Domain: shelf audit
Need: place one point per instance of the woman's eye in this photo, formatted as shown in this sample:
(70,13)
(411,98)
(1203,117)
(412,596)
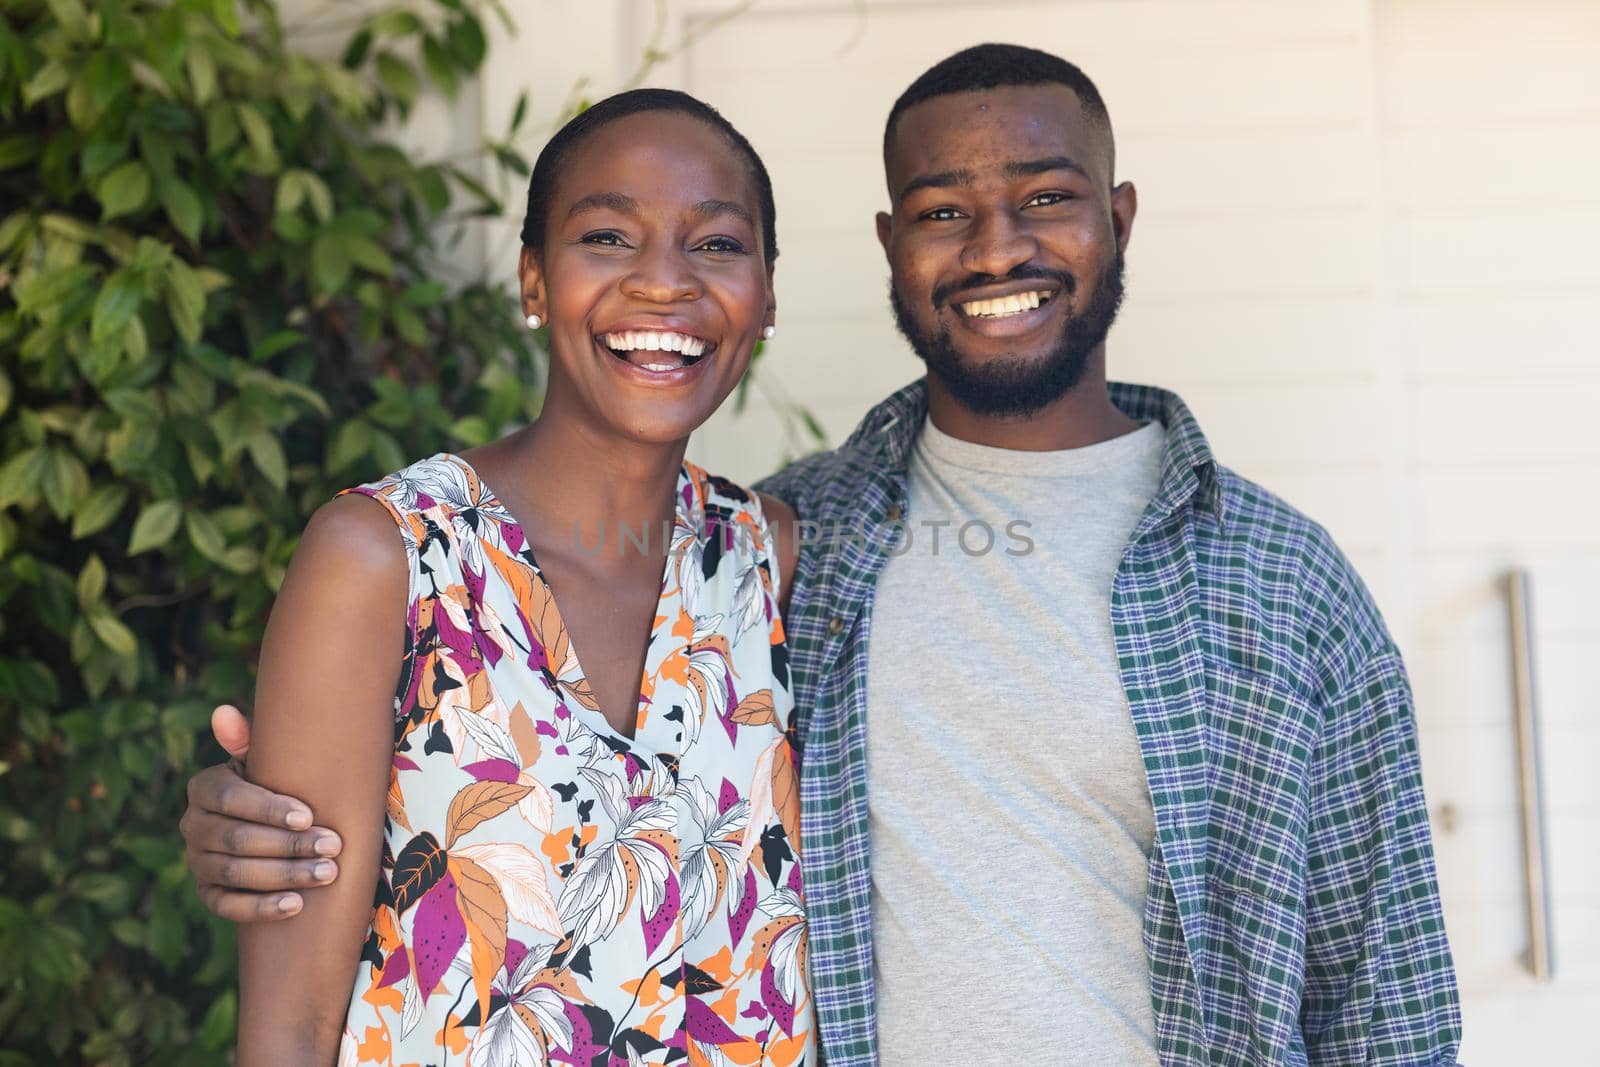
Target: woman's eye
(725,245)
(603,237)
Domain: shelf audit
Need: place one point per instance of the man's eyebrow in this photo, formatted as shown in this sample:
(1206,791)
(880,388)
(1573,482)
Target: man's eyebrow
(1024,168)
(615,201)
(942,180)
(1028,167)
(708,209)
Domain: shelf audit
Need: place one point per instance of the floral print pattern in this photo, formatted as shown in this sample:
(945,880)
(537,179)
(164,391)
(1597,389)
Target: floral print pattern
(553,891)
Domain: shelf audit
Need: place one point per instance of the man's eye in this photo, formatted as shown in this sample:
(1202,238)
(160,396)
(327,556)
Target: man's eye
(1048,199)
(603,237)
(725,245)
(941,214)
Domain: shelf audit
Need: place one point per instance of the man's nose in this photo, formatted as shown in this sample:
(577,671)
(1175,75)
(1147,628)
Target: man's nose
(662,276)
(998,245)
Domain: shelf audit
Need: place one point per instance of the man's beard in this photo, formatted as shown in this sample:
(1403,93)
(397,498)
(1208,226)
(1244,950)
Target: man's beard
(1017,385)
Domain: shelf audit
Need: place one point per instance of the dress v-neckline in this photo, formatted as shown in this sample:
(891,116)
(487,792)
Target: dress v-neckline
(594,718)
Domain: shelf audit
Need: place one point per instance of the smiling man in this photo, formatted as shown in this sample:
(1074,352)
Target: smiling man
(1144,790)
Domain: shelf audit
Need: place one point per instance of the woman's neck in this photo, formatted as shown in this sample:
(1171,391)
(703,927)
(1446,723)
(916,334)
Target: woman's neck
(574,489)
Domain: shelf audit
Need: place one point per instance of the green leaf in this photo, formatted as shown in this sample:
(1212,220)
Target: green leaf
(291,191)
(317,192)
(240,559)
(471,430)
(186,303)
(216,1030)
(441,66)
(16,226)
(108,76)
(202,67)
(256,130)
(368,254)
(518,114)
(267,454)
(467,42)
(226,12)
(123,189)
(350,442)
(103,504)
(281,341)
(398,78)
(205,536)
(222,128)
(64,481)
(52,287)
(155,526)
(357,49)
(91,581)
(113,633)
(119,299)
(182,207)
(22,478)
(19,149)
(101,887)
(330,263)
(396,22)
(134,341)
(46,81)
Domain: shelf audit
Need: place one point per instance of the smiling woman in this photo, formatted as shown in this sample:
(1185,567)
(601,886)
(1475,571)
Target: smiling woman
(571,857)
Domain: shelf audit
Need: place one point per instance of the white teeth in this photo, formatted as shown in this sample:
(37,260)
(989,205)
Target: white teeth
(1004,305)
(654,341)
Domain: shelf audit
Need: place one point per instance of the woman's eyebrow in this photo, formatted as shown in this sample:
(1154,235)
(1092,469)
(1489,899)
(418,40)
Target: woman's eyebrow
(627,205)
(707,209)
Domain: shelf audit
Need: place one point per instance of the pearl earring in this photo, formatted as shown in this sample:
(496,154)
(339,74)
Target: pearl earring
(534,322)
(770,332)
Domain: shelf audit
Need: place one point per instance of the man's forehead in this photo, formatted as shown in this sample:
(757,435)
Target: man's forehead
(987,129)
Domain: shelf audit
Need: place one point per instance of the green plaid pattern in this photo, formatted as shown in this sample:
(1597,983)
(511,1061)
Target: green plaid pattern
(1292,912)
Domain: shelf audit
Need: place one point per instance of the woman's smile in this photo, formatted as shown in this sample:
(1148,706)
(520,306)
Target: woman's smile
(663,350)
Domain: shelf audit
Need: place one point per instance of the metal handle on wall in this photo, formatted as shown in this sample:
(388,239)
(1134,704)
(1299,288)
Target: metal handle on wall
(1530,782)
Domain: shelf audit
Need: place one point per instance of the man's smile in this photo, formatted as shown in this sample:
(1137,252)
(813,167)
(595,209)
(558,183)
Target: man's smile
(1003,314)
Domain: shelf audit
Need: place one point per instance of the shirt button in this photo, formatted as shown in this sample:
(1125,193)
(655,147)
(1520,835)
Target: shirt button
(836,626)
(893,514)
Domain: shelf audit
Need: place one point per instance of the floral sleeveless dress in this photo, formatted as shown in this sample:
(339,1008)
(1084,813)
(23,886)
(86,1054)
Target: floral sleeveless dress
(555,892)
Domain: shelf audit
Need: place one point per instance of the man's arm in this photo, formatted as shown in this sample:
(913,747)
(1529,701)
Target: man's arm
(1380,987)
(249,849)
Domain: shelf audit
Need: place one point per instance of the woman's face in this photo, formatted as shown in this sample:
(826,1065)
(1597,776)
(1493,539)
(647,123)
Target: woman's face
(653,277)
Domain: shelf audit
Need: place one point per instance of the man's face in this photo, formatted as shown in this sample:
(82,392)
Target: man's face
(1005,242)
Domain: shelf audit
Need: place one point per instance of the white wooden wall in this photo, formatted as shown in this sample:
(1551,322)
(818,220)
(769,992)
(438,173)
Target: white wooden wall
(1368,255)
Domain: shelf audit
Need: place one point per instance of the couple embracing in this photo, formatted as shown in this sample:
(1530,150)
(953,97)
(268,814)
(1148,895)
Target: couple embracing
(1138,787)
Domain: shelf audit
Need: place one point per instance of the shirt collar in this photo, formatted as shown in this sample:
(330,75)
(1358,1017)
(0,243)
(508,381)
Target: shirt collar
(1189,472)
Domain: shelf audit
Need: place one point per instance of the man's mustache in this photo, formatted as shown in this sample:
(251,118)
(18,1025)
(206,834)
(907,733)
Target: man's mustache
(944,294)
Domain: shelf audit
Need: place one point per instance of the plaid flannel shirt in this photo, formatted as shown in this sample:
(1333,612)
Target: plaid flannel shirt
(1292,910)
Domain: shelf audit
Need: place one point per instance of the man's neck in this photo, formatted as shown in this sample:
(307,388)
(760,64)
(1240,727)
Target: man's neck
(1083,416)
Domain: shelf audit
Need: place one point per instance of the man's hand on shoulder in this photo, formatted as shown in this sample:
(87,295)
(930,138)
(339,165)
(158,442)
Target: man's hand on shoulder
(250,849)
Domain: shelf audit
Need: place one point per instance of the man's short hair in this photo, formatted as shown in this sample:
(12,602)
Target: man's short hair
(990,66)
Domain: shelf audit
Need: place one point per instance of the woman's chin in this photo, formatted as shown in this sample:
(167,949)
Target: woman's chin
(658,424)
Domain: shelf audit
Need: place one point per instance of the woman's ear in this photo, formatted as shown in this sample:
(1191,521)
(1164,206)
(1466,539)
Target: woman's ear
(772,296)
(530,279)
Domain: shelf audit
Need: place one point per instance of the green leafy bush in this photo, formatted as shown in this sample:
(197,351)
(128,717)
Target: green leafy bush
(216,309)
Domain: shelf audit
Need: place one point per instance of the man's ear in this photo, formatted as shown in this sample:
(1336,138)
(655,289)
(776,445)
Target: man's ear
(1124,206)
(885,230)
(530,278)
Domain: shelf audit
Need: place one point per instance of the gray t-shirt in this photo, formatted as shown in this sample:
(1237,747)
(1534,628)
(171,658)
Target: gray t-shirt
(1009,813)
